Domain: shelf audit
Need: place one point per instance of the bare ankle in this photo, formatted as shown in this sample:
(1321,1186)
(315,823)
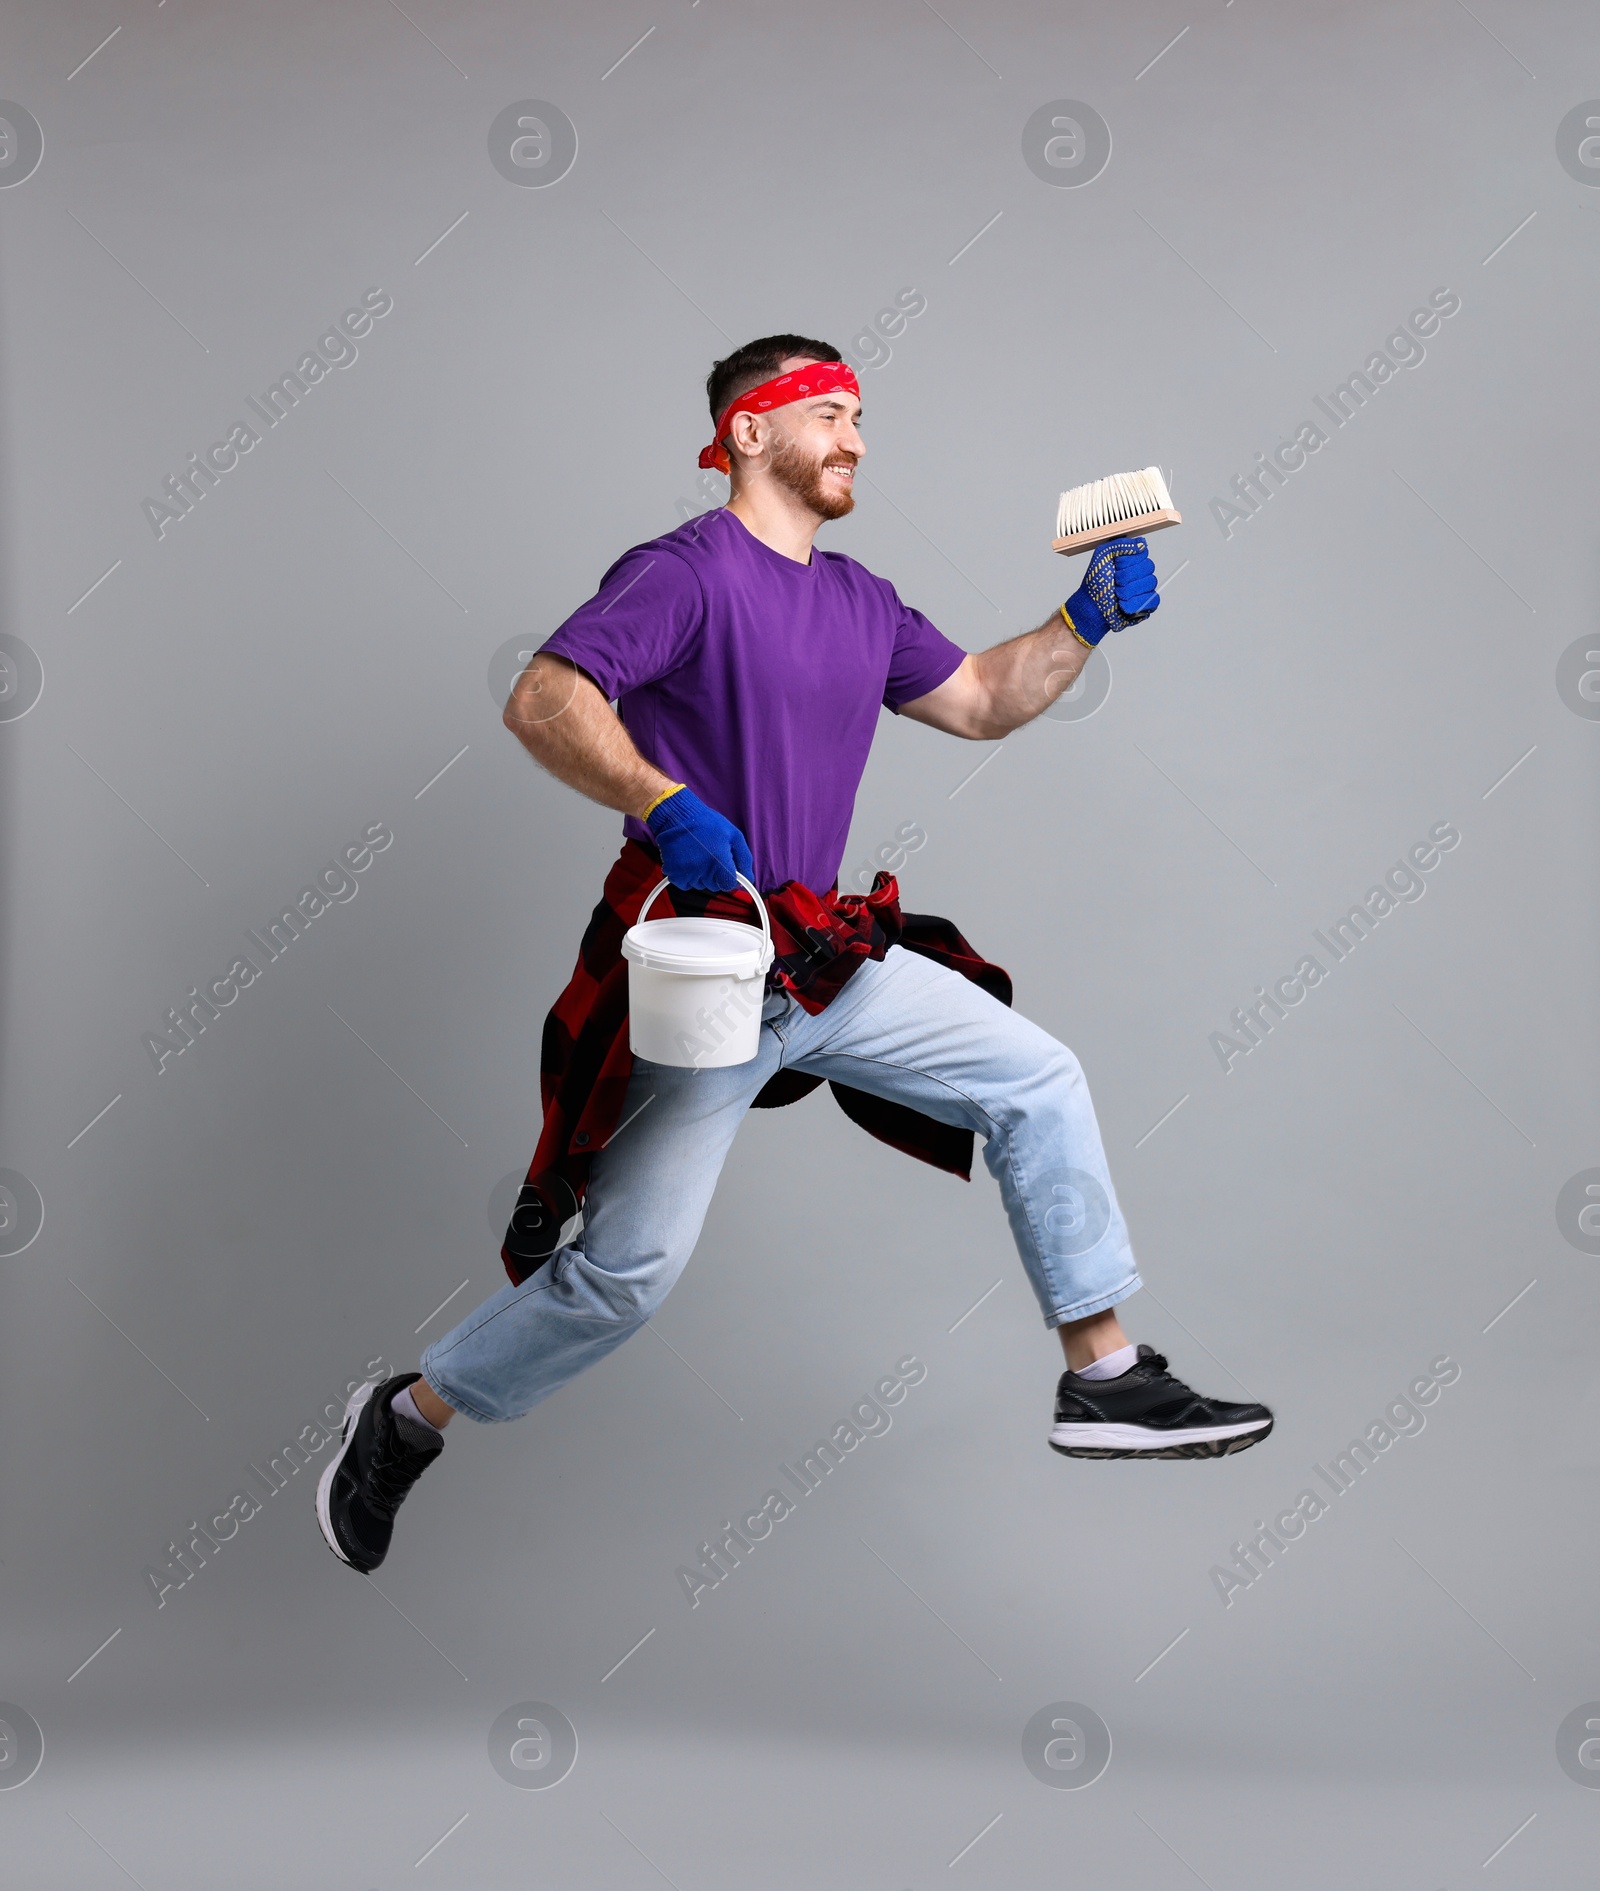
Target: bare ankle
(431,1406)
(1084,1341)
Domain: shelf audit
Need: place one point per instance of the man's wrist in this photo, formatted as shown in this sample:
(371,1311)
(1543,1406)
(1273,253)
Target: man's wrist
(656,800)
(1066,618)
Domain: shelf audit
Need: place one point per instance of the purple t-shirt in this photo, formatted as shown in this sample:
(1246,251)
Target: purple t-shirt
(755,680)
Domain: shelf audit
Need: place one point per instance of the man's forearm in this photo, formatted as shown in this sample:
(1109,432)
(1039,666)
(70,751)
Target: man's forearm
(1024,676)
(569,728)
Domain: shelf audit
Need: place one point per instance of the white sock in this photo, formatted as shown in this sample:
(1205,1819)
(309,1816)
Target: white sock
(403,1405)
(1112,1366)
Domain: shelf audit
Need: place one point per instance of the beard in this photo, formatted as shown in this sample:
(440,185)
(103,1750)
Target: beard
(801,473)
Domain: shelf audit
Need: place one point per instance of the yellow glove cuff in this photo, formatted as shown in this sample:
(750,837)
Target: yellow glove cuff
(662,797)
(1074,629)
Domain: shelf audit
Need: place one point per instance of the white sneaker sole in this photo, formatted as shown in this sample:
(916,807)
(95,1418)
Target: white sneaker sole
(330,1471)
(1140,1438)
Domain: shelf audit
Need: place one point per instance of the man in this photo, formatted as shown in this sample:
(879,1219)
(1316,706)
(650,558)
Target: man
(748,669)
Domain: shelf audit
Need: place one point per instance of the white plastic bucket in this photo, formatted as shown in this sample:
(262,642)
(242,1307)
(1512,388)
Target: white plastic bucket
(695,987)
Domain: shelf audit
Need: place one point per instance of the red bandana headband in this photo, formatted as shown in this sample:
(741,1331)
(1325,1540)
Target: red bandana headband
(817,377)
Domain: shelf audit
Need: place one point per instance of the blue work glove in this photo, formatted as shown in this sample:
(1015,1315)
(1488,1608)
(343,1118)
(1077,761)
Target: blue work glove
(699,847)
(1118,588)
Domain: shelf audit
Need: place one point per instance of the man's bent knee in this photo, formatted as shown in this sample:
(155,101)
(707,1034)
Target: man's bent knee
(1058,1071)
(626,1296)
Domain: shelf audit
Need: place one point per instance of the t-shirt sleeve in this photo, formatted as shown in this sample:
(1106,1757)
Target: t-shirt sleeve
(640,624)
(924,657)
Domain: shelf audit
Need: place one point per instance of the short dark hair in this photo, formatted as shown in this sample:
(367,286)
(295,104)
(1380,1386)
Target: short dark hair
(759,361)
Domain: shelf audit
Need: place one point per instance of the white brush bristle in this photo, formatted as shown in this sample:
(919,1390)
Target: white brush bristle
(1106,501)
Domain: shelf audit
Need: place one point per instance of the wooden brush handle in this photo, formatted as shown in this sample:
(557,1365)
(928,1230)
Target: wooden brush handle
(1124,528)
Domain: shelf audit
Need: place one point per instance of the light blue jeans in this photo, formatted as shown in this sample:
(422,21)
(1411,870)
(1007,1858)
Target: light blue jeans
(902,1027)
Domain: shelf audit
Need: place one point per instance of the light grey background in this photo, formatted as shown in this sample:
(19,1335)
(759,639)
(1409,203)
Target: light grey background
(1366,1191)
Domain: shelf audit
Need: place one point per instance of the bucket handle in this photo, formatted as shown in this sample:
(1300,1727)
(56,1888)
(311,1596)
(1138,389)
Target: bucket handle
(761,908)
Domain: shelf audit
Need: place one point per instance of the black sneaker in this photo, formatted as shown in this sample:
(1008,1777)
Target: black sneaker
(1146,1413)
(380,1456)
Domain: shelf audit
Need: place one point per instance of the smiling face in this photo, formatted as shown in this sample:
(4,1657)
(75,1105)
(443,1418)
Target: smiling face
(810,448)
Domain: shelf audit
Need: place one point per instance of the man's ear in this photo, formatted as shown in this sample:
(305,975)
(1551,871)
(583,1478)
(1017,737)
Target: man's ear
(743,445)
